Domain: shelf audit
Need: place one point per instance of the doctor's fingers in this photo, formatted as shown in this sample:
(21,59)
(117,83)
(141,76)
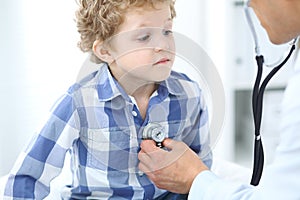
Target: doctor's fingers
(167,178)
(154,160)
(147,165)
(144,168)
(156,155)
(148,146)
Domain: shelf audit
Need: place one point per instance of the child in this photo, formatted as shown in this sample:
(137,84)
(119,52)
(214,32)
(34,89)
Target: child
(101,119)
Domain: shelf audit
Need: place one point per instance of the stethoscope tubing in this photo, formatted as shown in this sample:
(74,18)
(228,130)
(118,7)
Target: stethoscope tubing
(257,98)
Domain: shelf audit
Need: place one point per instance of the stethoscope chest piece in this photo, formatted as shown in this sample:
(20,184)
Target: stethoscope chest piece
(156,132)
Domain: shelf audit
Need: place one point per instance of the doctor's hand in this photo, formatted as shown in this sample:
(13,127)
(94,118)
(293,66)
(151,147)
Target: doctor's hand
(172,170)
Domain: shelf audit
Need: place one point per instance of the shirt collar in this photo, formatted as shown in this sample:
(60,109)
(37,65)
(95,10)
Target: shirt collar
(108,88)
(172,85)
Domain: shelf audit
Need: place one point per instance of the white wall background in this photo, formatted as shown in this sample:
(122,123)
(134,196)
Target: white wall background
(39,61)
(209,22)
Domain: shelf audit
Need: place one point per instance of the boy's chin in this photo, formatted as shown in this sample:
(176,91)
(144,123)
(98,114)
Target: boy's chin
(151,75)
(161,73)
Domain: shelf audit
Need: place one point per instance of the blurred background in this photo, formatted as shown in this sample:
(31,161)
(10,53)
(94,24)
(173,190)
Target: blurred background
(39,60)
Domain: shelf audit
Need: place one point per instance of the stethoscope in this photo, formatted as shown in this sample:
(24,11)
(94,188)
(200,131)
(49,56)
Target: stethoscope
(257,97)
(156,132)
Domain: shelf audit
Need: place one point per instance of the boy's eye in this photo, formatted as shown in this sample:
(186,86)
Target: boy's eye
(167,32)
(144,38)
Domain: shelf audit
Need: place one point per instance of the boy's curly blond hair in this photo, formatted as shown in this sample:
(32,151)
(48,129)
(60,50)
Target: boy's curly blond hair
(99,19)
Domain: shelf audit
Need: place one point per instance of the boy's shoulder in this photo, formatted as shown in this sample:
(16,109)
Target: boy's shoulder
(180,76)
(86,82)
(89,81)
(97,84)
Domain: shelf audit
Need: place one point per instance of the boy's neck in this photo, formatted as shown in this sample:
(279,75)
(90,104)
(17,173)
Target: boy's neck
(144,92)
(142,96)
(138,88)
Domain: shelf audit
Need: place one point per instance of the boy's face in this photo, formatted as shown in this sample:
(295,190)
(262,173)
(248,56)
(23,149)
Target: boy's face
(143,48)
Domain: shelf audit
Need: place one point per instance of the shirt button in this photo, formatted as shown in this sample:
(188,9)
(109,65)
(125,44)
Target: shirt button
(141,173)
(134,113)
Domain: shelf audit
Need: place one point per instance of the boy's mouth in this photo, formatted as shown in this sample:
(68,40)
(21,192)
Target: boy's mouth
(162,61)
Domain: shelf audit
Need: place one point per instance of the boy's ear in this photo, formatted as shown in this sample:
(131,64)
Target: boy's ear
(101,52)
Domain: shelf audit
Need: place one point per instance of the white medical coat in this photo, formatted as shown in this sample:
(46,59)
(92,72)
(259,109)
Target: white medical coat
(281,179)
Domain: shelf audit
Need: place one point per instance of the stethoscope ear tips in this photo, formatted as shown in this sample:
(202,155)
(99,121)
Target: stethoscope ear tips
(156,132)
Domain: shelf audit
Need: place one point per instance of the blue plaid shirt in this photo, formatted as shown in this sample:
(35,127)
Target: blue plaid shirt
(98,123)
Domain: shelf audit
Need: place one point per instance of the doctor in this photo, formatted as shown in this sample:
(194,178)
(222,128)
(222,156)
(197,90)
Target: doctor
(281,179)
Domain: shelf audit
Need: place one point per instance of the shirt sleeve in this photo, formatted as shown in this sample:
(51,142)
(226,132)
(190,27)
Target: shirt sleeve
(205,140)
(200,131)
(43,158)
(209,186)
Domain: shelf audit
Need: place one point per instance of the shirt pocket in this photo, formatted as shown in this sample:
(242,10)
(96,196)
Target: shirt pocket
(110,148)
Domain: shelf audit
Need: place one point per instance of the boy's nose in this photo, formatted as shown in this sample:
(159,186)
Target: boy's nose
(162,44)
